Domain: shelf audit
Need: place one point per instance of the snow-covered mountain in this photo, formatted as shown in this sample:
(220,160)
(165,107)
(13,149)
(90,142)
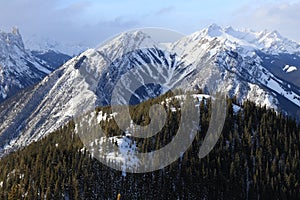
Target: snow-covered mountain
(21,67)
(238,62)
(249,63)
(18,67)
(44,44)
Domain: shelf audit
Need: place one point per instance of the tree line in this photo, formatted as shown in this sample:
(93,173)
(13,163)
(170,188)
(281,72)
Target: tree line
(256,157)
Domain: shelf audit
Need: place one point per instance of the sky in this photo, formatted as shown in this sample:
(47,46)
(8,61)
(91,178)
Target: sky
(90,22)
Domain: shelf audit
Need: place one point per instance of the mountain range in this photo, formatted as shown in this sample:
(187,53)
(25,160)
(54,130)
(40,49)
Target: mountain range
(21,67)
(43,44)
(262,67)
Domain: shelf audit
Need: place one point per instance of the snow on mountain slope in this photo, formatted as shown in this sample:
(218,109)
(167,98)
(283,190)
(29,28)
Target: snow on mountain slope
(123,149)
(45,44)
(270,42)
(238,60)
(18,67)
(77,87)
(216,59)
(246,42)
(289,68)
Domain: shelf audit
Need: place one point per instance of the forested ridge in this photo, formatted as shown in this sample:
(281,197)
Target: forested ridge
(256,157)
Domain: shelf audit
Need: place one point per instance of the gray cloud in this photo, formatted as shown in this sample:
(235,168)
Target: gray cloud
(105,29)
(80,20)
(67,23)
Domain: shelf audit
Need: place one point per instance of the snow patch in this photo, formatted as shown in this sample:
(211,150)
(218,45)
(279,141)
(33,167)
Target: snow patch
(236,108)
(123,153)
(289,68)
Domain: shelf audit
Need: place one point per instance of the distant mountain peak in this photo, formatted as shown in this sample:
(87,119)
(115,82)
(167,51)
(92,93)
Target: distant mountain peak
(134,38)
(19,68)
(127,42)
(15,30)
(9,40)
(44,44)
(214,30)
(268,41)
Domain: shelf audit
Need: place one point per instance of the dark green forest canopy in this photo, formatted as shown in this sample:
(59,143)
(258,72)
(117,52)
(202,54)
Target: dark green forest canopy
(257,156)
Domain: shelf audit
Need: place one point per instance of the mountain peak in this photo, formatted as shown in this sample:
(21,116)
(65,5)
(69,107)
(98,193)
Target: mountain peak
(18,67)
(275,34)
(214,30)
(268,41)
(15,31)
(140,33)
(134,36)
(214,26)
(10,39)
(127,42)
(44,44)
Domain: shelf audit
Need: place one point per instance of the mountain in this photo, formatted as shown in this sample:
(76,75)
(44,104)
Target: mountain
(246,60)
(256,157)
(237,62)
(19,68)
(43,44)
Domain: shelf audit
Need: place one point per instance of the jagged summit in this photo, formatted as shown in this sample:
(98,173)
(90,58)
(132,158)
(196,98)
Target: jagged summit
(129,41)
(18,67)
(10,40)
(44,44)
(21,68)
(243,63)
(15,30)
(214,30)
(268,41)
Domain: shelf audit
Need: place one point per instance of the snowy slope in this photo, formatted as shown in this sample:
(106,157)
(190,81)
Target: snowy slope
(289,68)
(216,59)
(237,54)
(69,91)
(122,149)
(18,67)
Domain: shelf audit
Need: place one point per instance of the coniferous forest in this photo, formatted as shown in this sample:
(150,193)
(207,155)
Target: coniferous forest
(256,157)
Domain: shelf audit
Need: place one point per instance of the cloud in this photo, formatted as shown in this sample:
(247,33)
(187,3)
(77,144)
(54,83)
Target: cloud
(61,21)
(104,29)
(281,16)
(36,16)
(92,21)
(165,10)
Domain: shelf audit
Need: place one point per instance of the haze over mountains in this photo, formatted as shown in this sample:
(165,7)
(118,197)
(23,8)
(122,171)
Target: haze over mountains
(259,66)
(42,44)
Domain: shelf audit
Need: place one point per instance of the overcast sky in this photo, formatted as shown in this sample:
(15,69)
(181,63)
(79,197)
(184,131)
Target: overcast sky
(92,21)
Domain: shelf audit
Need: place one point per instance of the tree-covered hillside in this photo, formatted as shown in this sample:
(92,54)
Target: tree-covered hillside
(256,157)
